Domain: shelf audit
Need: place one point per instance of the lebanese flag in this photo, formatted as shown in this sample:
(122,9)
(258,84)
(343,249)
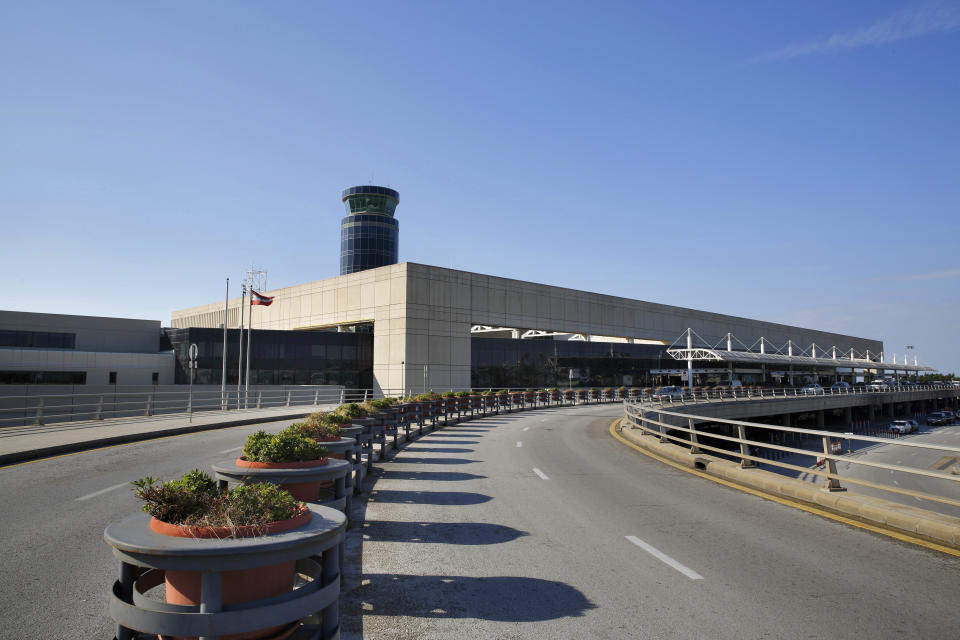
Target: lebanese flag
(256,298)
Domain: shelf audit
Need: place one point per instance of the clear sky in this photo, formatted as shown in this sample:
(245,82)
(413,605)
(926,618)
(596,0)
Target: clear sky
(793,162)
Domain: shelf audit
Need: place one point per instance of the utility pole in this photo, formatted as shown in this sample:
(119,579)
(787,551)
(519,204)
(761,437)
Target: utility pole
(223,368)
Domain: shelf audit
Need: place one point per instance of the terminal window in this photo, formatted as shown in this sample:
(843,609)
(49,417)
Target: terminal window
(37,339)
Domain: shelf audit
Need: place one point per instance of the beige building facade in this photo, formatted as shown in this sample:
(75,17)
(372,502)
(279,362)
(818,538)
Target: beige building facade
(422,316)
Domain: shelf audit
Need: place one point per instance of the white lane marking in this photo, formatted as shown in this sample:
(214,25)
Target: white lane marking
(896,483)
(232,450)
(103,491)
(662,557)
(542,475)
(519,444)
(544,420)
(526,428)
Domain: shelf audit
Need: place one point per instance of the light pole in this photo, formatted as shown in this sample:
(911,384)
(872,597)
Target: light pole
(907,359)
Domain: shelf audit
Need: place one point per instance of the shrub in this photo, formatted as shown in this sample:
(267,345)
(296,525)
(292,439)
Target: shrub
(318,429)
(286,446)
(352,410)
(194,500)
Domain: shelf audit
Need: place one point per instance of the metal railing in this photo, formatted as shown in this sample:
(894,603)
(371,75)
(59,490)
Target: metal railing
(704,396)
(823,449)
(52,409)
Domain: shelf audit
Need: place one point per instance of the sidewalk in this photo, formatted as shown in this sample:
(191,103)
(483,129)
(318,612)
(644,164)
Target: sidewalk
(19,444)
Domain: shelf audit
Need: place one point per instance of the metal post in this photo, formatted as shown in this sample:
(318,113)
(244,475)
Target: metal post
(223,369)
(259,398)
(744,448)
(243,297)
(38,420)
(148,410)
(288,397)
(690,359)
(316,397)
(246,376)
(211,600)
(99,415)
(693,437)
(833,484)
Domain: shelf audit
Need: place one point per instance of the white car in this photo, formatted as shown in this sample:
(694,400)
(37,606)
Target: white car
(812,390)
(878,385)
(664,393)
(901,426)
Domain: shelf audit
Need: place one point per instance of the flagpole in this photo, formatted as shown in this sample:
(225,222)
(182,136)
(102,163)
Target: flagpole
(223,368)
(246,391)
(240,359)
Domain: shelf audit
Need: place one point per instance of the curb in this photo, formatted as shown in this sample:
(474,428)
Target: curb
(906,523)
(8,459)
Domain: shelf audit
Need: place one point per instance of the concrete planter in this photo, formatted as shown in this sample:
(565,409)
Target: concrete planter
(302,481)
(312,550)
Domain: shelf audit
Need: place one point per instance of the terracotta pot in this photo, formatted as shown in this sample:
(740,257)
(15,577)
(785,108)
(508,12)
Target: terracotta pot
(304,491)
(244,585)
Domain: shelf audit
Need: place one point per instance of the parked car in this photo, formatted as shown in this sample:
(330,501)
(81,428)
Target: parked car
(948,416)
(878,385)
(663,393)
(914,426)
(937,418)
(840,386)
(812,390)
(900,426)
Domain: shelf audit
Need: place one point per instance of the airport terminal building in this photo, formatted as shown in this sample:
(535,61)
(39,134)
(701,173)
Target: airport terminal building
(406,328)
(438,328)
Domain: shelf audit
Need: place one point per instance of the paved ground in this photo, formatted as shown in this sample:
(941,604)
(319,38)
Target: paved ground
(468,534)
(540,525)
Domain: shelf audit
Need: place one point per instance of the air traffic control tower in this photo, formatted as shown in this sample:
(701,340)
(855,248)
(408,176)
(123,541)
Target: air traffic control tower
(368,233)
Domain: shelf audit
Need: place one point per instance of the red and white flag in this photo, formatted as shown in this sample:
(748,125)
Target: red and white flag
(256,298)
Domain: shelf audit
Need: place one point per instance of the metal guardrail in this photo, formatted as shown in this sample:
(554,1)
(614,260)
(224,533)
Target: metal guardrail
(36,410)
(648,417)
(736,394)
(51,409)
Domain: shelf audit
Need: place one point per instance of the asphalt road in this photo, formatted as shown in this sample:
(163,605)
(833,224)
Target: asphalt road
(540,525)
(536,525)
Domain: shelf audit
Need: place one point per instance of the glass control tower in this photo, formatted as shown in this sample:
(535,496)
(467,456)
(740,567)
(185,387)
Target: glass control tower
(368,233)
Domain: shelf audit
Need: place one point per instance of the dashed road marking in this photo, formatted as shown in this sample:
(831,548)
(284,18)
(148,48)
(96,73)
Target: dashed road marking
(526,428)
(662,557)
(542,475)
(232,450)
(103,491)
(519,444)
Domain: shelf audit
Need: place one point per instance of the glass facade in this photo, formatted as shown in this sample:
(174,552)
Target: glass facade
(279,357)
(369,234)
(545,363)
(43,377)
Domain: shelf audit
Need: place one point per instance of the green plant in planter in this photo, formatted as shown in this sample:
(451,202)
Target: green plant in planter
(352,410)
(318,429)
(463,394)
(286,446)
(487,392)
(194,500)
(448,394)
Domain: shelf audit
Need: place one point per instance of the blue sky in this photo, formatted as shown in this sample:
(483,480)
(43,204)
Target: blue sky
(795,162)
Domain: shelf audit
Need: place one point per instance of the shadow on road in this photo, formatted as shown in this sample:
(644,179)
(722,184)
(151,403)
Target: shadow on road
(429,476)
(429,440)
(438,449)
(445,498)
(465,533)
(499,598)
(432,461)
